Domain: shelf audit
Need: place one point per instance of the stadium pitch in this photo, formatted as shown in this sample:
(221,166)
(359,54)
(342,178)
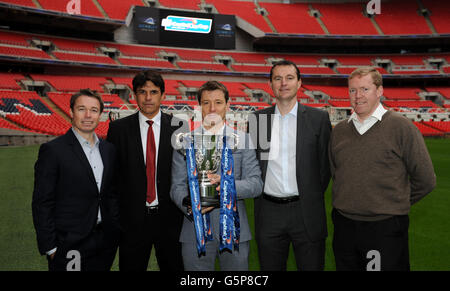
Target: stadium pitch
(429,232)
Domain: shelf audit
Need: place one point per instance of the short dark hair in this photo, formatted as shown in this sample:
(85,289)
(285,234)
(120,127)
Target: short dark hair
(89,93)
(142,77)
(211,86)
(284,63)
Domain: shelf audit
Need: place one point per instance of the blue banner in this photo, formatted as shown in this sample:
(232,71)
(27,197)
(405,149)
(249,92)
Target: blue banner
(201,222)
(229,216)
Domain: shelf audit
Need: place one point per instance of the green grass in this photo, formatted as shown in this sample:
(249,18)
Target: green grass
(429,219)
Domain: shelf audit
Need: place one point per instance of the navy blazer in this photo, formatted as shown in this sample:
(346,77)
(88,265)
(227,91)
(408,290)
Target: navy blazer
(66,198)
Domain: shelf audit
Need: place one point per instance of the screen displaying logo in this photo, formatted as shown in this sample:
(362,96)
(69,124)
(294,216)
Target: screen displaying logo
(187,24)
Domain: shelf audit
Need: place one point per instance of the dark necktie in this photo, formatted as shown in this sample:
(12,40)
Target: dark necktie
(150,158)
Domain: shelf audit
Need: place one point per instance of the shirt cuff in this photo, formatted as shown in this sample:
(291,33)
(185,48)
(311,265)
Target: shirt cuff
(51,252)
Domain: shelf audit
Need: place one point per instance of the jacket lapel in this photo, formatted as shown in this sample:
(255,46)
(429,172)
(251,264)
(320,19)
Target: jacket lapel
(136,141)
(269,124)
(164,146)
(79,153)
(105,161)
(301,118)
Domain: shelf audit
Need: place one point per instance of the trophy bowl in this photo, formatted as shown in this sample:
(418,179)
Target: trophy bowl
(208,155)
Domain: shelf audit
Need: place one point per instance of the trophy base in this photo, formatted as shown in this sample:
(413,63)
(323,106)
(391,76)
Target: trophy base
(204,201)
(209,202)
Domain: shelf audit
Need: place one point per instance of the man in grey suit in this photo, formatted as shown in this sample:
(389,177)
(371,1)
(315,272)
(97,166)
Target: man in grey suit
(213,99)
(292,141)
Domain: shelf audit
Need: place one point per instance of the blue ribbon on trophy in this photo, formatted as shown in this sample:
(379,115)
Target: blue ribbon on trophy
(229,228)
(229,216)
(201,222)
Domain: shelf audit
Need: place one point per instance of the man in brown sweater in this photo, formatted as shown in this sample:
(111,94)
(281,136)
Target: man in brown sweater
(380,167)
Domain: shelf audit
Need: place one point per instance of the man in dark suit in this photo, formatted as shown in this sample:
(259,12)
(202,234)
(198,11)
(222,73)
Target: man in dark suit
(148,217)
(75,208)
(292,141)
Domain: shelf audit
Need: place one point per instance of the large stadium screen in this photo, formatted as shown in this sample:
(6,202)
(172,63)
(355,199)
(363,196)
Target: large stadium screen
(184,28)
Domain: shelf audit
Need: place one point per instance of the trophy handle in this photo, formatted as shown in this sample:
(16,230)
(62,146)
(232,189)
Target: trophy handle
(179,140)
(235,139)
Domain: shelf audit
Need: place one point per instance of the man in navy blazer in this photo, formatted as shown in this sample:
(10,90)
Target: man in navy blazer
(292,148)
(75,207)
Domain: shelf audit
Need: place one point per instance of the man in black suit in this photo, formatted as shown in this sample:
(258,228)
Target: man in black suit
(147,214)
(75,208)
(292,141)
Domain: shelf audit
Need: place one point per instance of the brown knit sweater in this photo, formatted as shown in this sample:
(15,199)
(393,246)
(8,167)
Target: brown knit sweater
(382,172)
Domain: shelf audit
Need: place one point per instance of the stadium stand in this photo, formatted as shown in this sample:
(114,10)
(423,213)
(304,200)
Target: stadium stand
(443,126)
(9,81)
(345,19)
(28,3)
(82,58)
(14,51)
(118,9)
(410,104)
(439,14)
(88,8)
(28,110)
(243,72)
(302,23)
(71,83)
(189,5)
(400,17)
(426,130)
(401,93)
(244,10)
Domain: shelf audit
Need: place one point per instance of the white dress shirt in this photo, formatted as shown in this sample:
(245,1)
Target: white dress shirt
(363,127)
(281,180)
(144,126)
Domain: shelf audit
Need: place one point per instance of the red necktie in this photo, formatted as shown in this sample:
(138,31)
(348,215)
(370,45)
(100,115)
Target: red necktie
(150,158)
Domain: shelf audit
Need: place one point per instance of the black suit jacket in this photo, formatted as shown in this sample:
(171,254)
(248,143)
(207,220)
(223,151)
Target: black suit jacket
(131,181)
(66,198)
(312,165)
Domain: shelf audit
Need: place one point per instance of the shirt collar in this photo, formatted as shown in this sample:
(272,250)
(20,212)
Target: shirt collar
(378,114)
(220,131)
(292,112)
(84,141)
(156,119)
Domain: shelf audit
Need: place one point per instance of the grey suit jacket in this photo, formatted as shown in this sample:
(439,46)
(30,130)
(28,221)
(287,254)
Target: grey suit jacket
(248,185)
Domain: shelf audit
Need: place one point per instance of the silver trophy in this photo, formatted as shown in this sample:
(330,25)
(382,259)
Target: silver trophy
(208,155)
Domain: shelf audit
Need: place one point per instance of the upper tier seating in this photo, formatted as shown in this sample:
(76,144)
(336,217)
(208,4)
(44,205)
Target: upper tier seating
(28,3)
(88,7)
(189,4)
(302,23)
(245,10)
(118,10)
(440,14)
(345,18)
(401,17)
(87,52)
